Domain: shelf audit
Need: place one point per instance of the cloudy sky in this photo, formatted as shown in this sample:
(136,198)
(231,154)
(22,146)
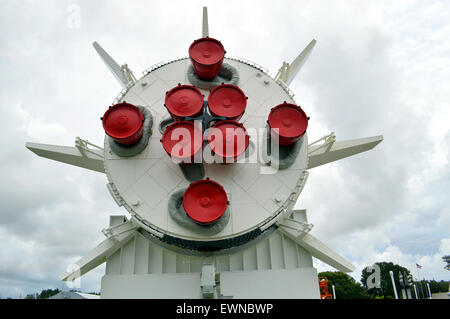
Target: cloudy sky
(379,67)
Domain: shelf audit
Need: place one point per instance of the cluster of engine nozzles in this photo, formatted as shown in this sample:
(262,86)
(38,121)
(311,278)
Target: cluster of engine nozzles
(226,137)
(205,201)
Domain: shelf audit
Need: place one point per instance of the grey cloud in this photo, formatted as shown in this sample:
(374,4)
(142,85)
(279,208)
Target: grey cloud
(52,214)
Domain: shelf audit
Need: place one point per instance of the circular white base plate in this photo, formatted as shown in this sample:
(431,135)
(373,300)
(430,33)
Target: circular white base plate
(257,193)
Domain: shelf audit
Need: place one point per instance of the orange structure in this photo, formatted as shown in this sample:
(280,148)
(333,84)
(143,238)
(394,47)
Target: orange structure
(323,286)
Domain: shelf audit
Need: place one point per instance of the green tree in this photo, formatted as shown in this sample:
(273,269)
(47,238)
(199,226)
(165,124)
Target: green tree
(439,286)
(345,286)
(47,293)
(444,286)
(386,289)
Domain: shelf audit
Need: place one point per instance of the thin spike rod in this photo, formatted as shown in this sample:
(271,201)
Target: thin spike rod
(205,28)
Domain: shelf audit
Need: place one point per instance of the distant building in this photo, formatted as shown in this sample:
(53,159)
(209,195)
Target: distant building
(74,295)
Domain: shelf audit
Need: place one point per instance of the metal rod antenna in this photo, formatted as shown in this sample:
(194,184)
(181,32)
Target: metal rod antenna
(205,28)
(393,283)
(420,283)
(429,290)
